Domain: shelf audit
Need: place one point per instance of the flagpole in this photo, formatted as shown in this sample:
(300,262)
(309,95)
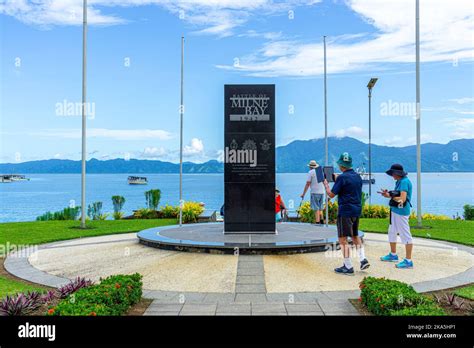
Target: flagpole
(181,112)
(84,90)
(418,119)
(326,126)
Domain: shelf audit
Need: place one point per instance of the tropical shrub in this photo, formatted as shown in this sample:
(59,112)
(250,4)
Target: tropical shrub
(65,214)
(420,310)
(332,211)
(118,215)
(78,283)
(94,211)
(145,213)
(153,198)
(170,212)
(191,211)
(364,198)
(468,212)
(306,214)
(112,296)
(118,202)
(428,216)
(375,211)
(20,304)
(391,297)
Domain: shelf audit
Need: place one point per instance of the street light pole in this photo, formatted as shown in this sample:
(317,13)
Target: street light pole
(84,90)
(370,85)
(370,146)
(418,119)
(326,126)
(181,112)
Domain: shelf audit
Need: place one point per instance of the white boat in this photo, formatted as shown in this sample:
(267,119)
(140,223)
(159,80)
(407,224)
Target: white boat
(137,180)
(5,178)
(18,177)
(364,175)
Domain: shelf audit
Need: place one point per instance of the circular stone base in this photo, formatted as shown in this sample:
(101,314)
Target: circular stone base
(210,238)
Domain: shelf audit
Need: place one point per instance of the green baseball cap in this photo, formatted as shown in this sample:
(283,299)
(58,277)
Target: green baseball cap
(345,160)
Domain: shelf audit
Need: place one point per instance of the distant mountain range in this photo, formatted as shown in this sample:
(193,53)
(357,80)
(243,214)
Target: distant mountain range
(455,156)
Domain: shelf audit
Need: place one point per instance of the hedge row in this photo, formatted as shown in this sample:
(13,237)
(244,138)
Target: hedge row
(393,298)
(113,296)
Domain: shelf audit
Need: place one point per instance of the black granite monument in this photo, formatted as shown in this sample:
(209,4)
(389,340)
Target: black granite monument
(249,157)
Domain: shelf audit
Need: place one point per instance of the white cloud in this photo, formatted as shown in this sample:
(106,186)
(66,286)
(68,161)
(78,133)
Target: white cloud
(462,127)
(466,100)
(196,147)
(446,35)
(216,17)
(154,152)
(352,131)
(116,134)
(401,141)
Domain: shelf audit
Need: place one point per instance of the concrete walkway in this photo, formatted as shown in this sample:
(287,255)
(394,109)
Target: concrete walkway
(250,298)
(182,283)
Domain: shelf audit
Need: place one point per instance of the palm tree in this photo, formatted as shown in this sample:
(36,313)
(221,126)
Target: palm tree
(153,198)
(118,202)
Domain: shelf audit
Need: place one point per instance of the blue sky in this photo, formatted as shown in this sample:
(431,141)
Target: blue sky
(134,72)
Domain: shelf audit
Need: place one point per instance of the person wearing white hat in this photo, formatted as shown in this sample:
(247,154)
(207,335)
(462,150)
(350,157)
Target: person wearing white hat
(316,190)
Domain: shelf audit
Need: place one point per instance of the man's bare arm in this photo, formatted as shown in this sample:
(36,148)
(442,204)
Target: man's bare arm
(308,184)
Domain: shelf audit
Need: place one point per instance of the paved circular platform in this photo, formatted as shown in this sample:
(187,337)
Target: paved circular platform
(168,274)
(183,283)
(209,237)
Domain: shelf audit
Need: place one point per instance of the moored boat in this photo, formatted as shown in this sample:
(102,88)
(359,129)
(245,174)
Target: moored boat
(12,178)
(137,180)
(18,177)
(5,178)
(364,175)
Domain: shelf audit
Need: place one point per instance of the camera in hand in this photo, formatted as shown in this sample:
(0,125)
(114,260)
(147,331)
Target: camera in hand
(394,203)
(394,193)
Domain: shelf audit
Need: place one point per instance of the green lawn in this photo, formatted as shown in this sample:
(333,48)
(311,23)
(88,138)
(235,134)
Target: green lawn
(17,234)
(458,231)
(466,292)
(12,287)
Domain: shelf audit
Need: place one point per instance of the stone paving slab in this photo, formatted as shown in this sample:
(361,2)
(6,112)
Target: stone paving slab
(246,279)
(234,308)
(250,288)
(269,309)
(219,298)
(250,297)
(303,307)
(337,306)
(198,309)
(163,309)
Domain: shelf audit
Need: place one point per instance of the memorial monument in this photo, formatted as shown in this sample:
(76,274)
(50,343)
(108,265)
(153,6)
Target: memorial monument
(249,190)
(249,159)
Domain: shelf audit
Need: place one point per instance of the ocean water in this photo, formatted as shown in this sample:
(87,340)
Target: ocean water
(443,193)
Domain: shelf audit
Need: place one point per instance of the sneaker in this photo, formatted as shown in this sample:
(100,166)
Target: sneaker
(389,258)
(405,264)
(364,264)
(344,270)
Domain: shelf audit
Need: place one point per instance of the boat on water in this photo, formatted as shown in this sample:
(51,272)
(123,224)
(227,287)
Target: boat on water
(13,177)
(364,175)
(137,180)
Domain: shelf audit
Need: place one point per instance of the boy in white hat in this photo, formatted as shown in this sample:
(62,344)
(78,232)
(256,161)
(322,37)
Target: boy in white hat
(316,190)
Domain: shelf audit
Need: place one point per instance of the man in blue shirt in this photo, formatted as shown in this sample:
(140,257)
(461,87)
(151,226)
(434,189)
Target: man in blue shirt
(399,215)
(348,188)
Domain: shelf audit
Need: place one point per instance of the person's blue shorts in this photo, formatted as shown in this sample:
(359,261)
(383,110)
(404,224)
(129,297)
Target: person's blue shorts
(278,217)
(317,201)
